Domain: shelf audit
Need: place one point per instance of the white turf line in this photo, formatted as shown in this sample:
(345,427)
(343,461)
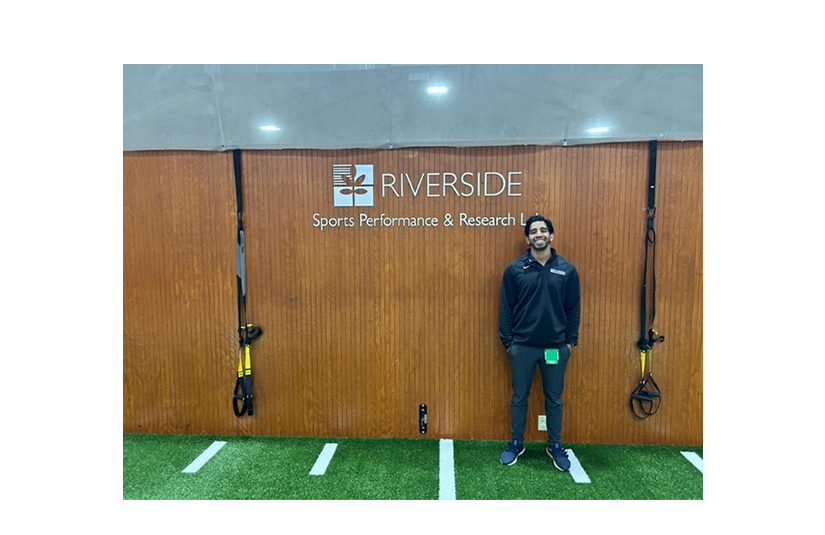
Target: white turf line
(576,470)
(196,465)
(446,470)
(321,464)
(694,459)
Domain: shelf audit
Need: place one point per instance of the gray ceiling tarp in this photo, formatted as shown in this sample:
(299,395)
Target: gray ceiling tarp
(222,107)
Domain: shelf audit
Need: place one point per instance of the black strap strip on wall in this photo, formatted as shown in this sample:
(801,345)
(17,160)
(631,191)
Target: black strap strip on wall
(646,323)
(247,332)
(646,397)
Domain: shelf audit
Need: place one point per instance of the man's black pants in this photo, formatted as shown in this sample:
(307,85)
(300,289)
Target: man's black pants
(523,360)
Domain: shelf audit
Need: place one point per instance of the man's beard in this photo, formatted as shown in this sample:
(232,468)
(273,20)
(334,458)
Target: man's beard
(539,248)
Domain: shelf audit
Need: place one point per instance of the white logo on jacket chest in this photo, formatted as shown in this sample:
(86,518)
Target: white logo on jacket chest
(557,271)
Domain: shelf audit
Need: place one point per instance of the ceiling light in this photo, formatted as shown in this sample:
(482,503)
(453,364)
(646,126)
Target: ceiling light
(437,90)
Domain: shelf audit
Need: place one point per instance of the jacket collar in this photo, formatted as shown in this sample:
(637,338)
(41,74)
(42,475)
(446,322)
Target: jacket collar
(529,258)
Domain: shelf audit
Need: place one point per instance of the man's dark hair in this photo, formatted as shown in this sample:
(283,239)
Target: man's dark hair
(538,217)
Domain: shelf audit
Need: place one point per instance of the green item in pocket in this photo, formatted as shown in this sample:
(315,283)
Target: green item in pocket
(551,356)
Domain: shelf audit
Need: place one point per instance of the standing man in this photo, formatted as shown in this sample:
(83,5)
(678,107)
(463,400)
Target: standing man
(538,323)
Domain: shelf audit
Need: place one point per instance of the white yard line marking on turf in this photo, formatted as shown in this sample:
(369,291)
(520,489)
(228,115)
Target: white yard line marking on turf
(320,466)
(694,459)
(576,470)
(446,470)
(196,465)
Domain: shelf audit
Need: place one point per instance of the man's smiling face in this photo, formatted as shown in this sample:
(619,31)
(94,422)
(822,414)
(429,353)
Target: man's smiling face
(539,237)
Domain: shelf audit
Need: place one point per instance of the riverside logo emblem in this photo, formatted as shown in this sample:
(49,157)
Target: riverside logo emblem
(352,185)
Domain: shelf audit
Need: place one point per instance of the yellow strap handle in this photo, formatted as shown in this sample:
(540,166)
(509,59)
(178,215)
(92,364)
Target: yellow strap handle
(244,358)
(642,354)
(240,363)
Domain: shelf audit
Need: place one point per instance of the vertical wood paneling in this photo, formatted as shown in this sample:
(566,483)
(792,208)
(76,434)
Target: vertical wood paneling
(178,289)
(363,324)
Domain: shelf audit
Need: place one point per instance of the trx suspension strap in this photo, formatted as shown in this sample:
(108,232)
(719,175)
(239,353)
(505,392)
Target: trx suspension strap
(242,396)
(647,397)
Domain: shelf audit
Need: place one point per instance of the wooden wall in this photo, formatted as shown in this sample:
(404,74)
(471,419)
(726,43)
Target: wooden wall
(362,324)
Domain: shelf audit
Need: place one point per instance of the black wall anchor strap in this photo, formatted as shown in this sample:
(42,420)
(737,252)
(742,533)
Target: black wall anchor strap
(247,332)
(646,397)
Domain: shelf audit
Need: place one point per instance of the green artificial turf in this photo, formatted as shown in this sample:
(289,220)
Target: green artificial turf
(396,469)
(616,472)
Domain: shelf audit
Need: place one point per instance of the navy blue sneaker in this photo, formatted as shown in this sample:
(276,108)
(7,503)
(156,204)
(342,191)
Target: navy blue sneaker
(559,456)
(510,455)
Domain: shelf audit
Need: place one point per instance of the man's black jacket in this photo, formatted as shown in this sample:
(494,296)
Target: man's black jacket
(540,305)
